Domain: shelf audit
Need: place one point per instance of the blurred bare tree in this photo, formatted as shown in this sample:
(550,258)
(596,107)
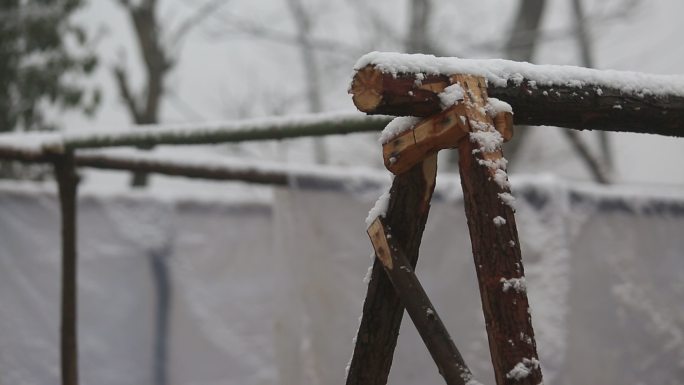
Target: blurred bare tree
(159,53)
(44,58)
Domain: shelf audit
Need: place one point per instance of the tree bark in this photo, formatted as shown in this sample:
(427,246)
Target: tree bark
(496,251)
(581,108)
(423,314)
(67,181)
(376,338)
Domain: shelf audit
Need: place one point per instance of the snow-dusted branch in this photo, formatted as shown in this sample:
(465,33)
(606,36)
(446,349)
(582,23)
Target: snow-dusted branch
(229,132)
(39,146)
(564,96)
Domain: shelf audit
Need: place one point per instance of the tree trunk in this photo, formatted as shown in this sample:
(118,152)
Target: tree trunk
(417,40)
(310,64)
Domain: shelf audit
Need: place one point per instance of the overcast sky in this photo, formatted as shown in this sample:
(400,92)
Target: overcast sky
(219,76)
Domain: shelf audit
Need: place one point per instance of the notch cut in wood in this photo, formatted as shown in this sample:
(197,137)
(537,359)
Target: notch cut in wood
(441,131)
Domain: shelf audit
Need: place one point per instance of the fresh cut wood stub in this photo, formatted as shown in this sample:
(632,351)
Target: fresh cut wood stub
(496,248)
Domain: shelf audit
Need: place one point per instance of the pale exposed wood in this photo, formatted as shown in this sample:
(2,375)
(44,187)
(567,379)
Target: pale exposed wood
(376,232)
(418,305)
(503,122)
(366,89)
(435,133)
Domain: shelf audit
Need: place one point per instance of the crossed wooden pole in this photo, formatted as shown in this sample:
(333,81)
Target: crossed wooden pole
(477,130)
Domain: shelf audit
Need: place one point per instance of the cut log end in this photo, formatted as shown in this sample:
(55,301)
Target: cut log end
(366,89)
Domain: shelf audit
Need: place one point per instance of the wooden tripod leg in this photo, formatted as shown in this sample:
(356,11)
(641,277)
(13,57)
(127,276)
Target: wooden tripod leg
(376,339)
(418,305)
(496,249)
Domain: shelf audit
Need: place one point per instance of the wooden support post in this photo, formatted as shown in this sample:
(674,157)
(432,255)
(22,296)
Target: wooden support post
(376,339)
(67,180)
(496,249)
(418,305)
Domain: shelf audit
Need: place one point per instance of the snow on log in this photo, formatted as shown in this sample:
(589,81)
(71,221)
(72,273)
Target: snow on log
(39,146)
(272,128)
(565,96)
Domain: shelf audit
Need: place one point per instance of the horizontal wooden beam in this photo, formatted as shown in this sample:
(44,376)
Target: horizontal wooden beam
(231,169)
(232,132)
(569,105)
(42,147)
(187,170)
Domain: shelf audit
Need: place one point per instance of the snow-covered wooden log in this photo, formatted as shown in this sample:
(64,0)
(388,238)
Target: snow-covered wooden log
(564,96)
(274,128)
(496,248)
(418,305)
(39,147)
(407,212)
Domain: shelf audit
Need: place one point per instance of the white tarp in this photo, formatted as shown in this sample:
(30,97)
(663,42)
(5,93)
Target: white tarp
(270,293)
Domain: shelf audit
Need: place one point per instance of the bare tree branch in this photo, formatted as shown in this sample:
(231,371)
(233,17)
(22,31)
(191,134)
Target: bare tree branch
(525,27)
(303,23)
(587,60)
(259,31)
(129,99)
(585,155)
(201,13)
